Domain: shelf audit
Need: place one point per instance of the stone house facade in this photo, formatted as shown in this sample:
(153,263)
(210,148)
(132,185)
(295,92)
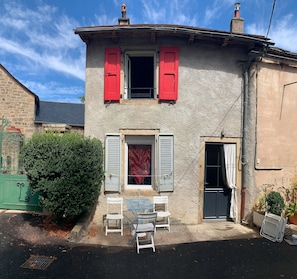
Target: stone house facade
(18,104)
(25,111)
(168,101)
(22,114)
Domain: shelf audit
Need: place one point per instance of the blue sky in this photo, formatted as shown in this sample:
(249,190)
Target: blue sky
(39,48)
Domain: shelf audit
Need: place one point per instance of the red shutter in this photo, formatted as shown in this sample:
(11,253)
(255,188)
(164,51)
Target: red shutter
(112,74)
(168,73)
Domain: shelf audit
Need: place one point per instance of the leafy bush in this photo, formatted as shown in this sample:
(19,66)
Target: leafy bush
(291,209)
(66,170)
(275,203)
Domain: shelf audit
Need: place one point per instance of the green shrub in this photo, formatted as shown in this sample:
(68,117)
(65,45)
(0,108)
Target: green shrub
(66,170)
(275,203)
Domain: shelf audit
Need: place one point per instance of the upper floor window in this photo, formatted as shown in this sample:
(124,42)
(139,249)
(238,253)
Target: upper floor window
(140,75)
(140,72)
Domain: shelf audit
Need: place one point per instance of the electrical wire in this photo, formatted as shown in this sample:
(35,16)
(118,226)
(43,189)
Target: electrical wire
(273,7)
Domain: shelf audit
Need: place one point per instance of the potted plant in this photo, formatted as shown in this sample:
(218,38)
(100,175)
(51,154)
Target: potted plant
(275,203)
(291,213)
(291,209)
(259,212)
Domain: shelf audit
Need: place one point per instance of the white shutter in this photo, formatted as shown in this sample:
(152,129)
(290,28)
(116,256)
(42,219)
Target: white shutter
(165,162)
(113,163)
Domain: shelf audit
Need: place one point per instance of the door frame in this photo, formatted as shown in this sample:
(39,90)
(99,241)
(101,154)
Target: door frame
(204,141)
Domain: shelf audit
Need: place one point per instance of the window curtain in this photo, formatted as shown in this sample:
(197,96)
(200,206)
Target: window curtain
(230,166)
(139,162)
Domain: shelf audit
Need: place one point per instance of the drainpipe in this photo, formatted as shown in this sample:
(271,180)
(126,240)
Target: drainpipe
(244,132)
(244,163)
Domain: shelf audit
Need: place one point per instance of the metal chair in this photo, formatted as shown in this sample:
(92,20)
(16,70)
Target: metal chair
(161,208)
(114,215)
(143,231)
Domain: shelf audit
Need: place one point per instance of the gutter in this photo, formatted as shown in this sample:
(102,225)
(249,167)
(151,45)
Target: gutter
(174,29)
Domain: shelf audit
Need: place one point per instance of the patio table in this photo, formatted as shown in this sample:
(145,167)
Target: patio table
(139,205)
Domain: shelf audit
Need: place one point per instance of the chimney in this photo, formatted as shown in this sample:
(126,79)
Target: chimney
(236,25)
(123,20)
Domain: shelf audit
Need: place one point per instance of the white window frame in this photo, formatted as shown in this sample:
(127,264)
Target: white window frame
(140,140)
(127,70)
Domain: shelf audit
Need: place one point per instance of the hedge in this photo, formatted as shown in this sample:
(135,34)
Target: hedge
(66,170)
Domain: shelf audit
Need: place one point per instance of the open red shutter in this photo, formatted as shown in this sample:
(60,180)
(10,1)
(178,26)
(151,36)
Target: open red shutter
(112,74)
(168,73)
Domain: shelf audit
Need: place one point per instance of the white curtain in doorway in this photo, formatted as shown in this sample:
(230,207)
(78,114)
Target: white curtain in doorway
(230,165)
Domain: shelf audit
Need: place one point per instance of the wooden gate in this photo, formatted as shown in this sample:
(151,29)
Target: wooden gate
(14,187)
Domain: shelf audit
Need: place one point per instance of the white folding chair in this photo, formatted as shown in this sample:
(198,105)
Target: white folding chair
(114,215)
(273,227)
(143,231)
(163,214)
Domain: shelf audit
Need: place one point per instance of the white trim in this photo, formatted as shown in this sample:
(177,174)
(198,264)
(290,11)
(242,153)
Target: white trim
(139,140)
(127,69)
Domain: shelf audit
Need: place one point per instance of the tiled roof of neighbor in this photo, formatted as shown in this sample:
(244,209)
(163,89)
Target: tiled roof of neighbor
(63,113)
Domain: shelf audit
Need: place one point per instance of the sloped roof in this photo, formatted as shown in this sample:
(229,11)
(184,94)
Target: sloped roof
(63,113)
(19,83)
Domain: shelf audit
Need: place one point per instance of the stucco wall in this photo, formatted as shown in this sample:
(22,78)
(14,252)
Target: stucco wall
(276,118)
(209,101)
(272,156)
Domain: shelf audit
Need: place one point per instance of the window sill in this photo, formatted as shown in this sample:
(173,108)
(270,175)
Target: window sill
(138,187)
(139,102)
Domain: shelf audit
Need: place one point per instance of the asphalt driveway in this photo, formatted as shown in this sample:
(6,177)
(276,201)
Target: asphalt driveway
(22,238)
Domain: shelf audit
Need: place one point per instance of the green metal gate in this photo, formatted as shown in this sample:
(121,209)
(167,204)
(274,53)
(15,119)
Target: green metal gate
(14,187)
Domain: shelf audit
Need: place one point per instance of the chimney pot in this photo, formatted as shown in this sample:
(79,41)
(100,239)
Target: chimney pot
(237,10)
(123,20)
(236,25)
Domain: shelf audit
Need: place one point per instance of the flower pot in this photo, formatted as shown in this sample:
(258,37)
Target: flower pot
(258,218)
(293,219)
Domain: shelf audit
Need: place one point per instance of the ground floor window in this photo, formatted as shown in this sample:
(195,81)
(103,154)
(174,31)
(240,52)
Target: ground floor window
(139,162)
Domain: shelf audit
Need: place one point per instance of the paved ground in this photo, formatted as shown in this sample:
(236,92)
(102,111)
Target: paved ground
(250,257)
(178,234)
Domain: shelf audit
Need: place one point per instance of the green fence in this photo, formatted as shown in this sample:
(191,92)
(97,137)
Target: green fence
(14,189)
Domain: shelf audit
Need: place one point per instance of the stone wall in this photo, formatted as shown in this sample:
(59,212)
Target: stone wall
(17,103)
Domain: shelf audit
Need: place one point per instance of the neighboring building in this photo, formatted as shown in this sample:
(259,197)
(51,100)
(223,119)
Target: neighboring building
(22,114)
(23,109)
(271,134)
(169,102)
(60,116)
(18,104)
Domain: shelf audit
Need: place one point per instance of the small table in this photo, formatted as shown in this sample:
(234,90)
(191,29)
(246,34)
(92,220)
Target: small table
(139,205)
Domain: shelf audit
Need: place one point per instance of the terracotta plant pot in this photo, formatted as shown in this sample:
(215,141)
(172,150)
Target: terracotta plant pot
(293,219)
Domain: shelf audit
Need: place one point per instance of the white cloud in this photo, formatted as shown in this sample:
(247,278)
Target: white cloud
(42,37)
(215,11)
(168,12)
(282,32)
(55,91)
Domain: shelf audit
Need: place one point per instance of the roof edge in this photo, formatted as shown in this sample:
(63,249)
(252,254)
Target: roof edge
(170,28)
(22,85)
